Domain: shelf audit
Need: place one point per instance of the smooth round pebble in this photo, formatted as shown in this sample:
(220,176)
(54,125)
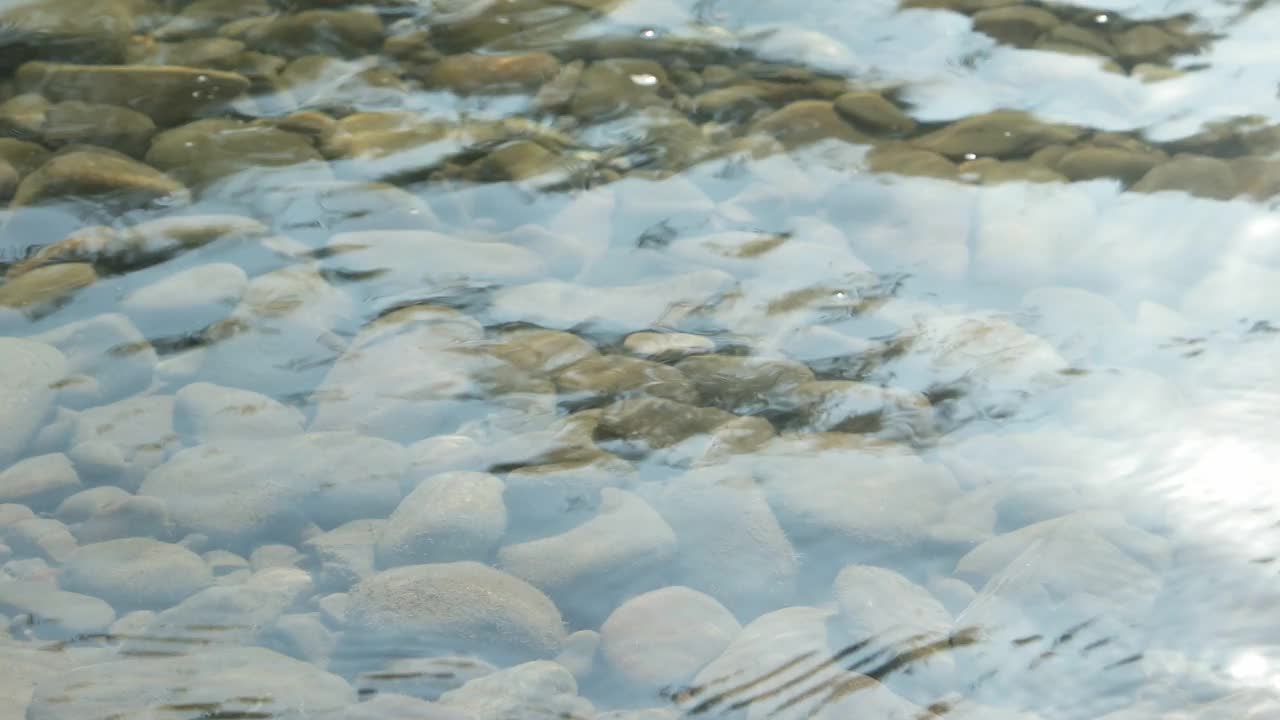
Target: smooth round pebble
(665,636)
(135,572)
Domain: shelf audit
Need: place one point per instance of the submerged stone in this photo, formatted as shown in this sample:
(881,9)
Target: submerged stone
(111,179)
(167,94)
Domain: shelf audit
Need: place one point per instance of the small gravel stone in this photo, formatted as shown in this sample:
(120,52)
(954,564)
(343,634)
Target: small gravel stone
(43,538)
(135,573)
(453,607)
(54,614)
(541,688)
(449,517)
(664,637)
(26,392)
(40,482)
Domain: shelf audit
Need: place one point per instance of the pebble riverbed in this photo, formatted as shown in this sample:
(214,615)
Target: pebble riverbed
(639,359)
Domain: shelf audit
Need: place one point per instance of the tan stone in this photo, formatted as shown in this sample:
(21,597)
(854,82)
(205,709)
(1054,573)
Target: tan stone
(1195,174)
(471,74)
(46,284)
(1018,25)
(808,121)
(873,113)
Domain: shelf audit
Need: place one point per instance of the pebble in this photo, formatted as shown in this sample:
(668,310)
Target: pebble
(873,113)
(233,681)
(588,569)
(166,94)
(135,573)
(79,123)
(39,288)
(744,385)
(204,151)
(43,538)
(321,478)
(69,30)
(999,134)
(657,423)
(541,688)
(808,121)
(664,637)
(39,482)
(26,394)
(543,352)
(556,497)
(117,181)
(612,376)
(731,545)
(450,517)
(186,302)
(140,429)
(225,614)
(53,614)
(343,556)
(425,678)
(492,74)
(1197,175)
(462,607)
(665,347)
(208,413)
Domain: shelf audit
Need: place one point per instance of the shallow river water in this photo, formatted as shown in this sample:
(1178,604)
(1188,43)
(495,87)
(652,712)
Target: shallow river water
(639,359)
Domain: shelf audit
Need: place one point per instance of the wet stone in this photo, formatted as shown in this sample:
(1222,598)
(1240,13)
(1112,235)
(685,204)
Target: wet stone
(737,103)
(23,156)
(590,568)
(873,113)
(664,637)
(731,545)
(1079,37)
(346,33)
(187,301)
(167,94)
(1194,174)
(9,179)
(66,30)
(124,517)
(208,413)
(909,161)
(1000,134)
(43,538)
(233,681)
(26,392)
(491,74)
(1090,162)
(855,407)
(23,116)
(463,607)
(425,678)
(608,88)
(743,385)
(989,171)
(542,688)
(1017,25)
(808,121)
(513,161)
(449,517)
(321,478)
(1148,43)
(80,123)
(555,497)
(53,614)
(656,422)
(135,573)
(39,482)
(343,556)
(109,349)
(206,150)
(46,285)
(599,378)
(113,180)
(203,16)
(140,428)
(665,347)
(215,53)
(544,352)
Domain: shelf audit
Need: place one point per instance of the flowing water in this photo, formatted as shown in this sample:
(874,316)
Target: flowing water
(639,359)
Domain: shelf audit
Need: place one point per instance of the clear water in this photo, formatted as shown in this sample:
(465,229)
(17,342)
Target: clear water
(1048,495)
